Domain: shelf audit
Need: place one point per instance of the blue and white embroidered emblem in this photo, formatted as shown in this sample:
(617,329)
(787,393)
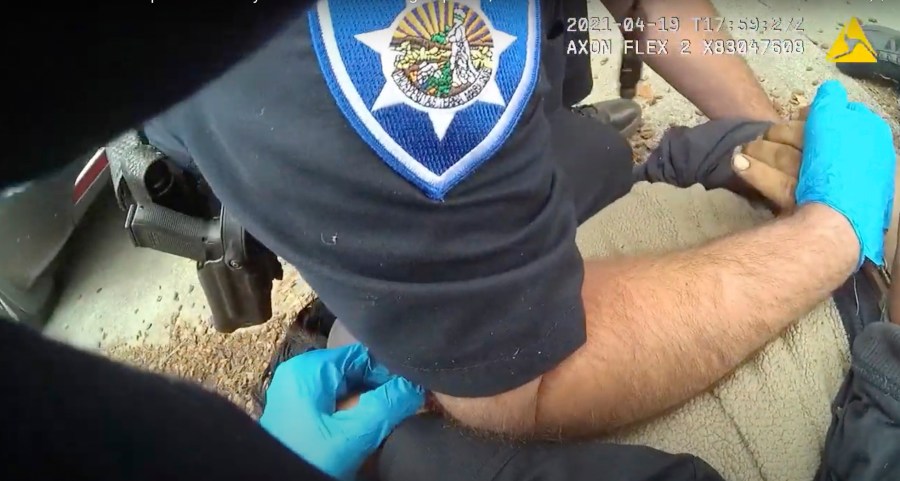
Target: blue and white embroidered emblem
(434,87)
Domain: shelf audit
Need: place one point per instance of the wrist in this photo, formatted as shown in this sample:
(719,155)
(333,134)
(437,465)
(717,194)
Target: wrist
(823,221)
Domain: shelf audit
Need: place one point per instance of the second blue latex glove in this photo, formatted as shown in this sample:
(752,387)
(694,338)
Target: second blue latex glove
(848,164)
(301,402)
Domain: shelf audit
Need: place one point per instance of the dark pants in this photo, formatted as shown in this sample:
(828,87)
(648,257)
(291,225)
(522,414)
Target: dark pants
(594,160)
(863,442)
(426,448)
(578,80)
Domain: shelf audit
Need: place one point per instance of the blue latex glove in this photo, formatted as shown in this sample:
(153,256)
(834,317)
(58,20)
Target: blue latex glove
(848,164)
(301,400)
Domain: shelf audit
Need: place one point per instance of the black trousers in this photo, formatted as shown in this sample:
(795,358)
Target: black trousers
(578,80)
(426,448)
(594,161)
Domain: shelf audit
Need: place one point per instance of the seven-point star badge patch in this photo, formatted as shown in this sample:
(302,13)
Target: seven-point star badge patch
(434,87)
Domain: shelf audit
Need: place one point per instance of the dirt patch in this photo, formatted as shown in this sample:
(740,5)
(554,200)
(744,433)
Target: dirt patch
(643,142)
(230,364)
(647,136)
(787,106)
(884,91)
(646,93)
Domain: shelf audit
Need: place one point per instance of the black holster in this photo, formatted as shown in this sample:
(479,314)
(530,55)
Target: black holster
(172,210)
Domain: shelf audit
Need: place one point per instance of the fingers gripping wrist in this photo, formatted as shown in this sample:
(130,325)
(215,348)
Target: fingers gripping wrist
(849,165)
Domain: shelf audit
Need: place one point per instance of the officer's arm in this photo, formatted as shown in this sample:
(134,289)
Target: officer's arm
(720,85)
(661,329)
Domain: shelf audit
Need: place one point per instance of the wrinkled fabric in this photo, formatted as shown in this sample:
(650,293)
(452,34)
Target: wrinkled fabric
(864,441)
(768,419)
(698,155)
(427,448)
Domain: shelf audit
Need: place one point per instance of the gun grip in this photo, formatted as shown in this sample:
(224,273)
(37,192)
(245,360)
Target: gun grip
(169,231)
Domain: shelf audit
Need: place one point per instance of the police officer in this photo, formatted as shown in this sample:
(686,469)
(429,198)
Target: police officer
(420,165)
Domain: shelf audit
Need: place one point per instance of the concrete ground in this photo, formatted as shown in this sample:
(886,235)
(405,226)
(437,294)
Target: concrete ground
(115,293)
(147,308)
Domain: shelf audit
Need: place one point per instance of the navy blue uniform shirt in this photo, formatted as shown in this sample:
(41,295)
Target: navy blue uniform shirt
(471,295)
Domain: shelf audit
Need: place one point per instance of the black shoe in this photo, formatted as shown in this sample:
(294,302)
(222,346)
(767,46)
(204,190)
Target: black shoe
(316,318)
(886,42)
(623,114)
(308,331)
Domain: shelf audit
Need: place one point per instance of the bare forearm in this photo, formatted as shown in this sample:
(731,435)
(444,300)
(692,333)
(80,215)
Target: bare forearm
(719,85)
(663,329)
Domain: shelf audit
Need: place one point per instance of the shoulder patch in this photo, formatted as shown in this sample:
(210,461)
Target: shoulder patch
(433,86)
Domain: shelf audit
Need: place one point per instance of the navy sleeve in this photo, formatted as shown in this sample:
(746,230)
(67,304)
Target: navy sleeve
(470,296)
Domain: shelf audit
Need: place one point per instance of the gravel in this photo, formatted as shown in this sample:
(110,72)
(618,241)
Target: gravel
(230,364)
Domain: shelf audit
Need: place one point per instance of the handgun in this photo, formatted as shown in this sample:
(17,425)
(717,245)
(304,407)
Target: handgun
(171,210)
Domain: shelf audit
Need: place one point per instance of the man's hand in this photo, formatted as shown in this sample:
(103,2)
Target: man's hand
(769,166)
(301,408)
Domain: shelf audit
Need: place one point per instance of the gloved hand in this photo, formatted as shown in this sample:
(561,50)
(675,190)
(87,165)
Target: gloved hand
(848,164)
(770,166)
(301,400)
